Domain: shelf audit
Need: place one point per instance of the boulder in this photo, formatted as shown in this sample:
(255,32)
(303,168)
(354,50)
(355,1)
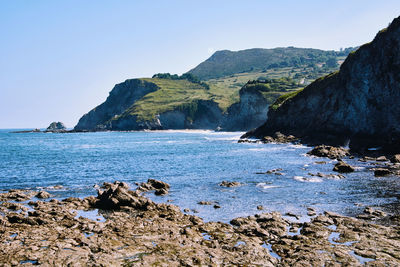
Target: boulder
(160,187)
(343,167)
(42,194)
(395,158)
(329,152)
(117,195)
(230,184)
(378,172)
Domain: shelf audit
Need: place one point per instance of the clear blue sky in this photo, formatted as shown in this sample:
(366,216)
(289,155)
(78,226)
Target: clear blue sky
(59,59)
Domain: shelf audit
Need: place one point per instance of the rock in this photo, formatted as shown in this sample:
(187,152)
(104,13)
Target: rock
(274,171)
(343,167)
(395,158)
(161,235)
(160,192)
(291,214)
(279,137)
(160,187)
(311,211)
(56,127)
(230,184)
(117,195)
(260,207)
(42,194)
(328,176)
(379,172)
(381,158)
(204,203)
(217,206)
(329,152)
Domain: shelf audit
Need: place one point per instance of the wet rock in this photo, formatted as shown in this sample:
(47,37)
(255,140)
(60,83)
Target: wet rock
(230,184)
(311,211)
(217,206)
(247,141)
(274,171)
(395,158)
(291,214)
(379,172)
(381,158)
(17,195)
(204,202)
(279,138)
(328,176)
(343,167)
(117,195)
(161,192)
(374,212)
(260,207)
(160,187)
(42,194)
(329,152)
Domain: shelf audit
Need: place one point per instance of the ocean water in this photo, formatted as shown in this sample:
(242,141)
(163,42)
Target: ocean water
(193,163)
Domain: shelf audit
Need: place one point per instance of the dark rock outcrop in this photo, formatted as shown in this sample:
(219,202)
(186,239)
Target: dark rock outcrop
(56,127)
(329,152)
(343,167)
(229,184)
(359,103)
(121,97)
(160,188)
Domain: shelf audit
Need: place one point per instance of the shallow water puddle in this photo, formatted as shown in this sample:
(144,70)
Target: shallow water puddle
(206,236)
(271,251)
(90,214)
(361,259)
(33,262)
(335,236)
(88,234)
(239,243)
(291,233)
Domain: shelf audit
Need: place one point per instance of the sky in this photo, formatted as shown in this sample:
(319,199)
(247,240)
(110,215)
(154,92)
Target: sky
(60,59)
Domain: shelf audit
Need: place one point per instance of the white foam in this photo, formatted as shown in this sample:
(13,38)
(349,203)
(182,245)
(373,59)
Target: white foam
(266,186)
(307,179)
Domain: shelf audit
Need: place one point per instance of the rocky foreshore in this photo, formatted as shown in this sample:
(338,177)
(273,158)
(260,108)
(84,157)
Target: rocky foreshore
(132,230)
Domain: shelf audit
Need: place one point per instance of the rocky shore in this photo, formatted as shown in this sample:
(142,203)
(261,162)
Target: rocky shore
(127,229)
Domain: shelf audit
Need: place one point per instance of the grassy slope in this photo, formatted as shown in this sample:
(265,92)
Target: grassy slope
(172,94)
(225,90)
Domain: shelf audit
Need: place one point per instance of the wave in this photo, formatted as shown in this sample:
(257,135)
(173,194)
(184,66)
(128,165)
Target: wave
(307,179)
(266,186)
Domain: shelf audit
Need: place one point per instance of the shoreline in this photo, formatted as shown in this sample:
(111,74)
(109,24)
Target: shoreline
(133,230)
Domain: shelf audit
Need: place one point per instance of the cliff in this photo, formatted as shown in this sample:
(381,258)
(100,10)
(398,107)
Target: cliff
(359,103)
(159,103)
(121,97)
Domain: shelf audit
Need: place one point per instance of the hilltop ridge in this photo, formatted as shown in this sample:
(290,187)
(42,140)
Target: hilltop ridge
(357,104)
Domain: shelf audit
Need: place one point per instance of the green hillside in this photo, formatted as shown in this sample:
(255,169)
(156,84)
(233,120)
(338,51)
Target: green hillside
(172,94)
(224,63)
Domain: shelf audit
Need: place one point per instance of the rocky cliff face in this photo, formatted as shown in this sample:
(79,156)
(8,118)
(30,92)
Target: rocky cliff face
(121,97)
(248,113)
(114,113)
(360,103)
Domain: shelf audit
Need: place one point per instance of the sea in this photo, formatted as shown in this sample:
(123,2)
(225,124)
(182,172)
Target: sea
(194,163)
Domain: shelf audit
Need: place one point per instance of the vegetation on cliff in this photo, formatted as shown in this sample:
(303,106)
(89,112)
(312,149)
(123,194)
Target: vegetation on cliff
(358,103)
(224,63)
(143,99)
